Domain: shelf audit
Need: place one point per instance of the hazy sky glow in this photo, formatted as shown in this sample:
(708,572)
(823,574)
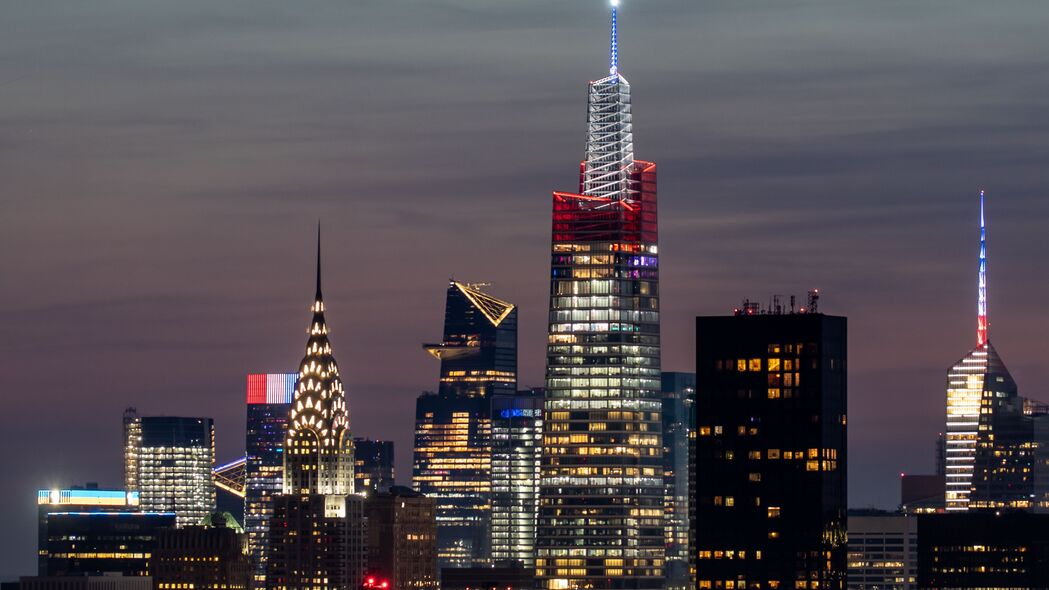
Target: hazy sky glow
(163,165)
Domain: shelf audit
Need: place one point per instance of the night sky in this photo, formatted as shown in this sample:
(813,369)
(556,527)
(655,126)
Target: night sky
(163,165)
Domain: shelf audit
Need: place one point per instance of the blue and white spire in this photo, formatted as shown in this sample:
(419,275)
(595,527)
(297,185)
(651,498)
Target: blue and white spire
(609,137)
(981,302)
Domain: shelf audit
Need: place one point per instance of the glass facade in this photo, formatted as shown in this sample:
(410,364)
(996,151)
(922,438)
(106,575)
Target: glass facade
(373,465)
(269,399)
(601,521)
(517,427)
(94,543)
(173,459)
(453,427)
(771,451)
(679,398)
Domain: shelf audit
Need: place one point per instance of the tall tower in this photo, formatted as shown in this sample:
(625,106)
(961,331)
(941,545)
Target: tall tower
(317,532)
(453,427)
(600,523)
(988,427)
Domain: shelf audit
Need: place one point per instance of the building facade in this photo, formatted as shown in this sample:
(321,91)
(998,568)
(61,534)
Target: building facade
(883,551)
(93,532)
(983,549)
(679,399)
(202,558)
(771,450)
(517,429)
(317,532)
(992,435)
(373,465)
(169,460)
(402,539)
(601,523)
(269,399)
(453,427)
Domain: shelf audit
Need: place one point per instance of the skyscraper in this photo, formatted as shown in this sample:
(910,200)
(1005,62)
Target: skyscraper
(402,539)
(169,459)
(771,450)
(453,430)
(317,532)
(373,465)
(679,398)
(991,431)
(517,428)
(601,489)
(202,558)
(268,407)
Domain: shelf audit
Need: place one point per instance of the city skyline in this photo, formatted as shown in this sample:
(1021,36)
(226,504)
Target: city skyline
(177,281)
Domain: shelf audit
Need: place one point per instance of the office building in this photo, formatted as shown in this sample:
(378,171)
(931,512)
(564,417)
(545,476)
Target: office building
(771,454)
(517,430)
(921,493)
(104,582)
(883,551)
(402,538)
(213,557)
(269,398)
(679,398)
(373,465)
(600,522)
(488,578)
(992,436)
(453,429)
(169,460)
(317,532)
(983,549)
(92,532)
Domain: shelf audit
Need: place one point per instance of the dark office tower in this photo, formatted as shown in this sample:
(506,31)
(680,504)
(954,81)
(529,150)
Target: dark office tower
(202,558)
(771,403)
(317,533)
(453,448)
(990,428)
(983,549)
(517,430)
(88,531)
(268,407)
(169,460)
(679,398)
(402,539)
(600,520)
(373,465)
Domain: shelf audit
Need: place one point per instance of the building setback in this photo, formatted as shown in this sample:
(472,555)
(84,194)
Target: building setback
(202,558)
(168,460)
(771,454)
(373,465)
(317,533)
(600,523)
(402,539)
(453,427)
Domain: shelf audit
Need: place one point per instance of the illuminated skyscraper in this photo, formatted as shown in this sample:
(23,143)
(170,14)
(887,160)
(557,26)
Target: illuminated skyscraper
(169,461)
(601,490)
(517,428)
(771,451)
(453,430)
(317,532)
(992,432)
(268,407)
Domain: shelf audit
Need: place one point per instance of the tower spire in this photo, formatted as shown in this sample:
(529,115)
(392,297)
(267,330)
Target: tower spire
(319,260)
(981,304)
(613,68)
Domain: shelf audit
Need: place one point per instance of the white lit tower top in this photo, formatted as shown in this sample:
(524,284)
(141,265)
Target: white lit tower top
(609,138)
(318,457)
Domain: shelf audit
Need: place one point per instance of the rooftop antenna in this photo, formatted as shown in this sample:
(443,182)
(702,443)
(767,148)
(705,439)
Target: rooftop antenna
(613,65)
(814,300)
(981,303)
